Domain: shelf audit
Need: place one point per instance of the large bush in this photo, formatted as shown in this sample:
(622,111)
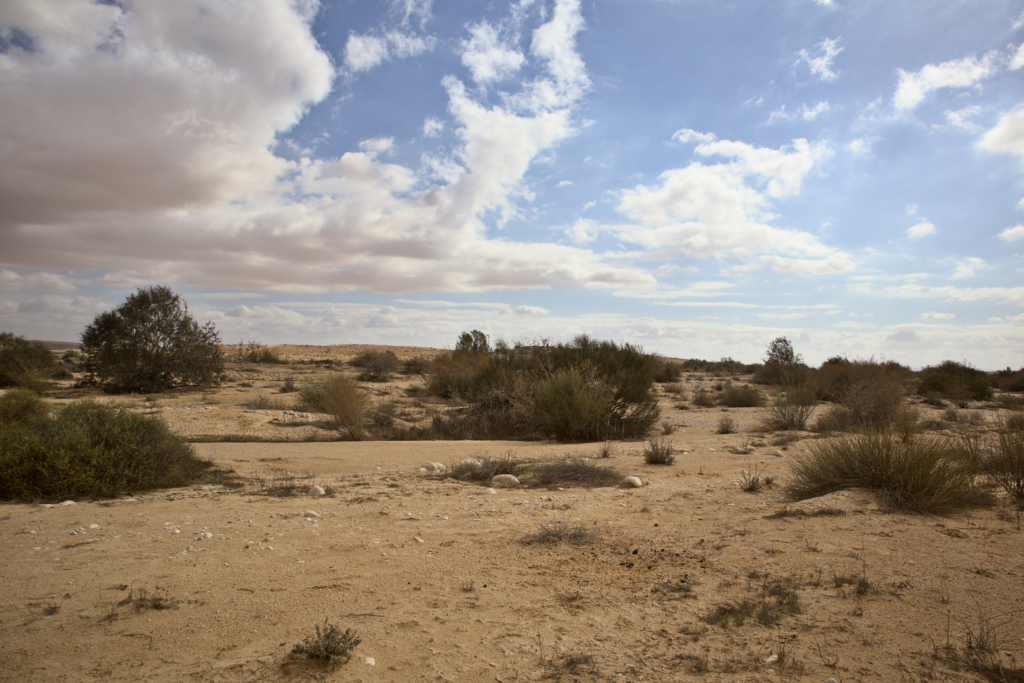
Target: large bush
(88,449)
(23,363)
(960,383)
(151,343)
(573,406)
(340,399)
(782,365)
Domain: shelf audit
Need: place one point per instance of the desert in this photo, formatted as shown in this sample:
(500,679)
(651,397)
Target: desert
(695,575)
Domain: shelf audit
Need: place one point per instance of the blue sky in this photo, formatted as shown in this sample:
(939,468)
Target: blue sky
(696,177)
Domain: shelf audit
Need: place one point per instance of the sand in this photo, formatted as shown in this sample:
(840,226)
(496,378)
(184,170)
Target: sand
(439,580)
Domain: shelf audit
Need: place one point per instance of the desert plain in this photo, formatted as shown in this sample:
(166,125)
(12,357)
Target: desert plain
(687,578)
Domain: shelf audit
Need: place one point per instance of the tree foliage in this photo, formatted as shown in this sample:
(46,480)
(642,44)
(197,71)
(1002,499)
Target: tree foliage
(151,343)
(781,351)
(26,364)
(473,342)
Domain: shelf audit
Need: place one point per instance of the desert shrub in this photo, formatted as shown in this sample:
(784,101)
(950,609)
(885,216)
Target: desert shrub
(782,365)
(340,399)
(1008,380)
(703,398)
(573,472)
(455,374)
(328,645)
(151,343)
(25,364)
(658,452)
(378,366)
(417,365)
(865,405)
(736,396)
(22,407)
(560,529)
(838,376)
(473,342)
(790,411)
(668,371)
(960,383)
(288,386)
(922,474)
(572,406)
(1006,466)
(254,352)
(726,425)
(485,468)
(92,449)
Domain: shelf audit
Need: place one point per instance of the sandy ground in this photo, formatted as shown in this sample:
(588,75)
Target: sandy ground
(439,581)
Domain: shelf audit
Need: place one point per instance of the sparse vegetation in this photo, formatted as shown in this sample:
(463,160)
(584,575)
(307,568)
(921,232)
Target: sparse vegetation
(25,364)
(560,529)
(254,352)
(573,472)
(1006,465)
(736,396)
(377,366)
(337,397)
(659,452)
(88,449)
(726,425)
(790,411)
(329,644)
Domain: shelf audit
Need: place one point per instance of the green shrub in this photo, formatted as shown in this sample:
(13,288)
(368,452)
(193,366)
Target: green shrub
(838,376)
(1006,466)
(741,397)
(922,474)
(668,371)
(703,398)
(22,407)
(417,365)
(960,383)
(340,399)
(659,452)
(790,411)
(25,364)
(151,343)
(571,406)
(865,407)
(254,352)
(95,450)
(378,366)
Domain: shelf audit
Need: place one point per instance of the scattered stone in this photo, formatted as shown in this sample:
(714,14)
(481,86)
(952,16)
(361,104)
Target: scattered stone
(771,659)
(831,680)
(432,467)
(487,491)
(418,539)
(632,483)
(505,480)
(310,513)
(779,454)
(370,661)
(94,526)
(316,491)
(67,502)
(742,450)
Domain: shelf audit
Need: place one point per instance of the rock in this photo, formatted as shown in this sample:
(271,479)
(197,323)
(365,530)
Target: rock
(632,483)
(504,480)
(831,680)
(418,539)
(370,661)
(489,491)
(316,491)
(429,466)
(771,659)
(310,513)
(67,502)
(471,463)
(779,454)
(742,450)
(94,526)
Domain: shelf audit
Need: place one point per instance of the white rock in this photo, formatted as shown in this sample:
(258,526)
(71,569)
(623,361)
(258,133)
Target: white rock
(504,480)
(316,491)
(310,513)
(779,454)
(471,463)
(831,680)
(771,659)
(68,502)
(370,661)
(489,491)
(632,482)
(94,526)
(429,466)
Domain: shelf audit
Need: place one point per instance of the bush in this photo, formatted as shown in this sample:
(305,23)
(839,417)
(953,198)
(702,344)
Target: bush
(151,343)
(417,365)
(668,371)
(790,411)
(254,352)
(473,342)
(378,366)
(741,397)
(658,452)
(339,398)
(25,364)
(960,383)
(703,398)
(573,472)
(328,645)
(838,376)
(726,425)
(571,407)
(22,407)
(865,407)
(914,474)
(1007,466)
(91,449)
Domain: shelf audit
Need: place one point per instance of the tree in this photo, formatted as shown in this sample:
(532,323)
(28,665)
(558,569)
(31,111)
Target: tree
(781,351)
(151,343)
(473,342)
(26,364)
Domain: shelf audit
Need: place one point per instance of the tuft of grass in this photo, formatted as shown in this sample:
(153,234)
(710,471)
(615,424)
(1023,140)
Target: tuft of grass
(573,472)
(753,479)
(726,425)
(329,644)
(288,386)
(560,529)
(340,399)
(262,402)
(790,411)
(659,452)
(1006,466)
(921,474)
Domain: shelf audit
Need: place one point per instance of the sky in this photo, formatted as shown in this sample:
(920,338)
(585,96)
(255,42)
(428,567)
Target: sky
(697,177)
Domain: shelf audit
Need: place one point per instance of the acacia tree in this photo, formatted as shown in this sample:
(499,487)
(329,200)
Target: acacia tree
(781,351)
(151,343)
(473,342)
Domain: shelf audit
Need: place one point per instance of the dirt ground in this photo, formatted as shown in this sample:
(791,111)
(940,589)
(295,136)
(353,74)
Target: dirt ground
(687,578)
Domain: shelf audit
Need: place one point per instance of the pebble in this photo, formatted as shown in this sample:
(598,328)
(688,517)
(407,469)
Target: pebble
(432,466)
(505,480)
(371,661)
(771,659)
(316,491)
(67,502)
(94,526)
(779,454)
(830,680)
(632,482)
(310,513)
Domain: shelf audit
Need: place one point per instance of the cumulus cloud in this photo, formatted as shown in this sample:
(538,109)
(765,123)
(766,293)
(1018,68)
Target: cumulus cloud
(959,119)
(1017,60)
(487,56)
(914,86)
(932,315)
(804,113)
(1007,137)
(948,294)
(970,267)
(364,52)
(820,61)
(922,229)
(903,336)
(687,135)
(432,127)
(526,310)
(1012,234)
(11,281)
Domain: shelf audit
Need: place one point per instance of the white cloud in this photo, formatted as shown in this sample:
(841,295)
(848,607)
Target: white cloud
(11,281)
(859,146)
(1017,61)
(530,310)
(821,63)
(947,293)
(432,127)
(995,319)
(686,135)
(959,119)
(922,229)
(1007,137)
(932,315)
(957,73)
(364,52)
(903,336)
(804,112)
(487,57)
(970,267)
(583,231)
(1012,234)
(564,183)
(375,146)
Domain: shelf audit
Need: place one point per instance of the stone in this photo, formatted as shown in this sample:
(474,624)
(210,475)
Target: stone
(370,661)
(489,491)
(310,513)
(831,680)
(771,659)
(67,502)
(429,466)
(504,480)
(632,483)
(316,491)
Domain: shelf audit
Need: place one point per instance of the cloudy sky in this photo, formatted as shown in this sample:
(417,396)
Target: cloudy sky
(696,176)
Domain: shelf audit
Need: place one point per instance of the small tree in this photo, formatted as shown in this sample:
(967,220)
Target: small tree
(781,351)
(473,342)
(26,364)
(151,343)
(782,365)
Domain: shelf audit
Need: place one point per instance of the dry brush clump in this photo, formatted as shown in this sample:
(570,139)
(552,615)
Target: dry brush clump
(790,410)
(329,644)
(1006,465)
(25,364)
(340,399)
